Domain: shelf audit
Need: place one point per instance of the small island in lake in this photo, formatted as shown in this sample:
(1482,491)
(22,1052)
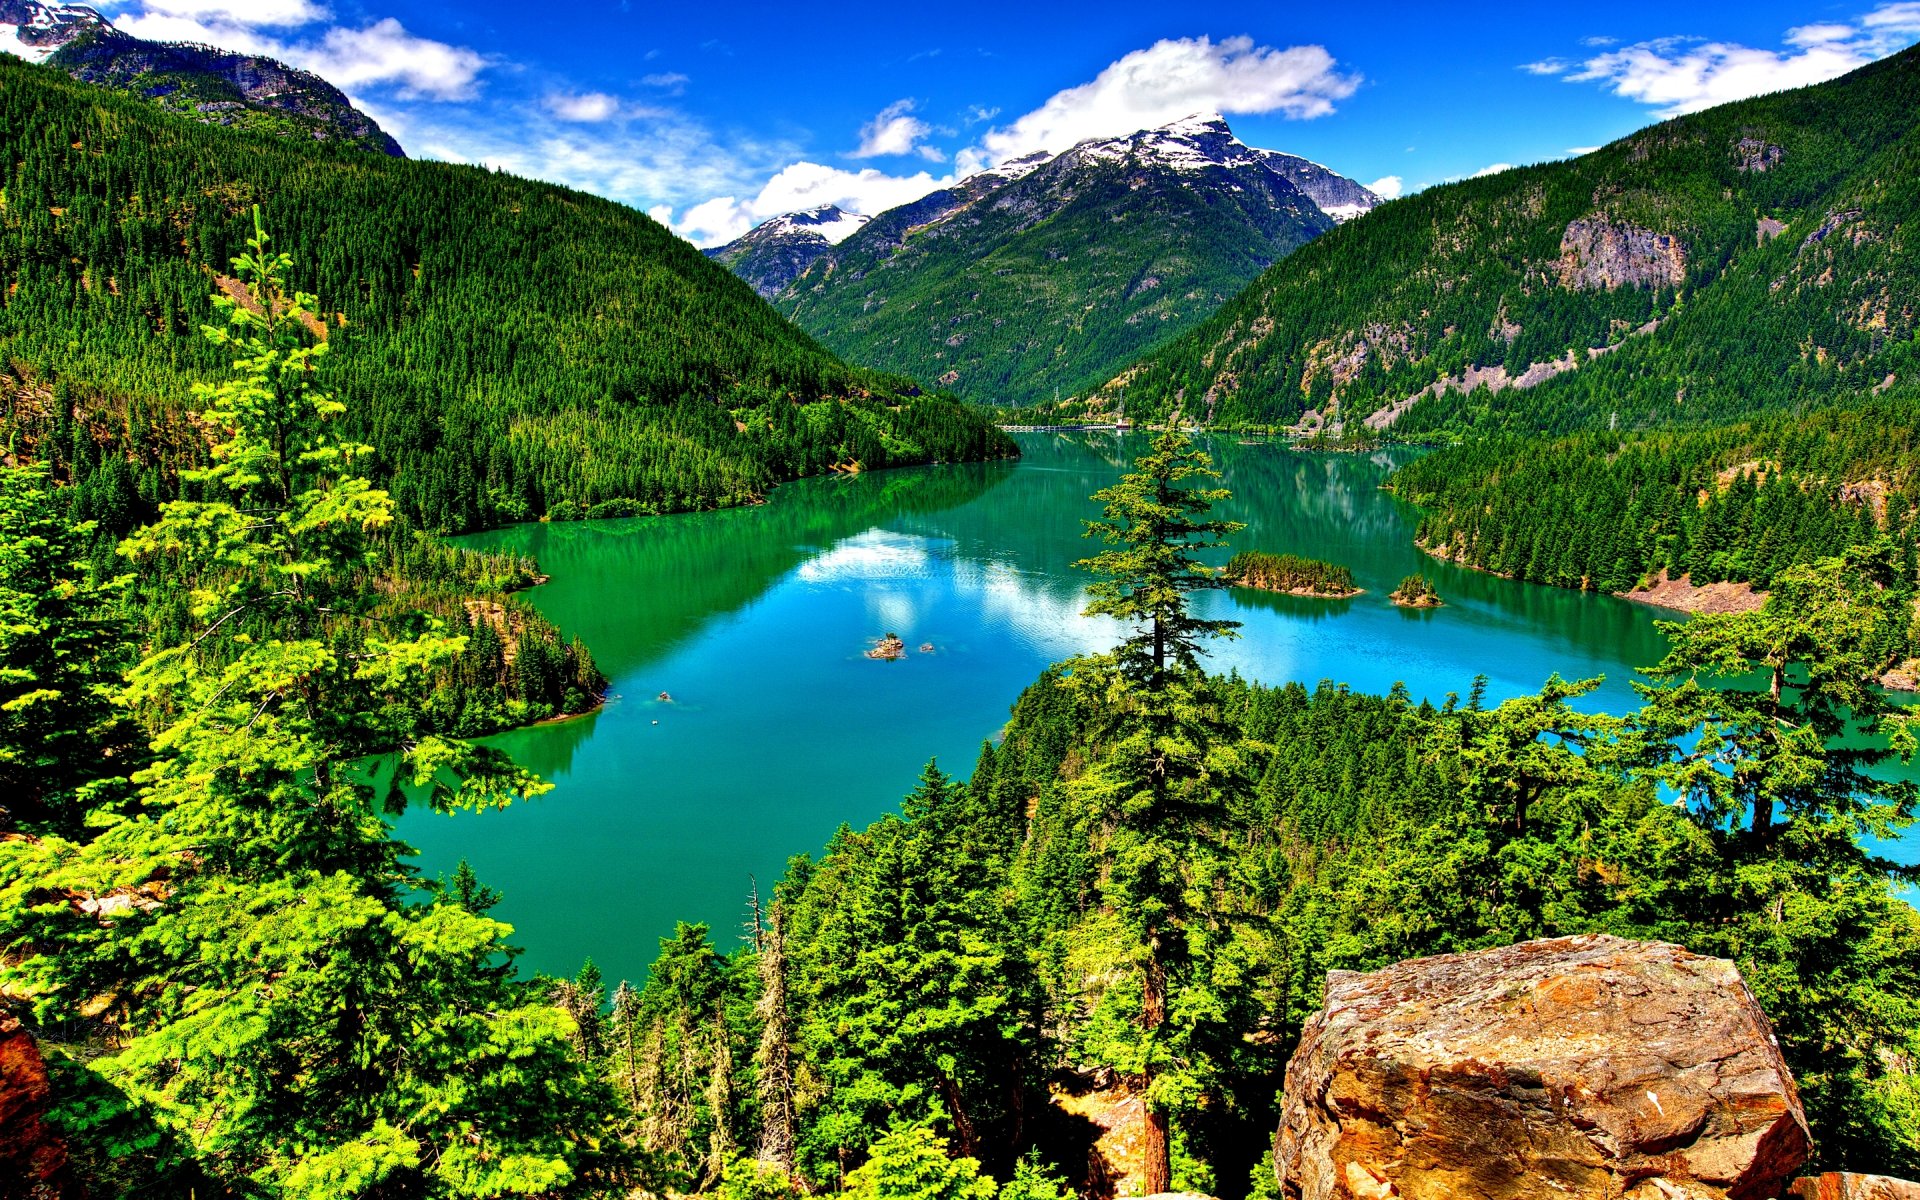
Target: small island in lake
(1415,592)
(889,646)
(1292,574)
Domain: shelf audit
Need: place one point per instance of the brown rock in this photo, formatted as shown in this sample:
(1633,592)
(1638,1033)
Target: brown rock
(1845,1185)
(33,1159)
(1589,1066)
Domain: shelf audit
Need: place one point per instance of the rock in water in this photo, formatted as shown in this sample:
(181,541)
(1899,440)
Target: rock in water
(1588,1066)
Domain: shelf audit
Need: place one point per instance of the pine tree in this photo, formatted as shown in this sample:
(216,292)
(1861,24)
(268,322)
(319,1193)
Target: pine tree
(1167,782)
(285,1011)
(1160,525)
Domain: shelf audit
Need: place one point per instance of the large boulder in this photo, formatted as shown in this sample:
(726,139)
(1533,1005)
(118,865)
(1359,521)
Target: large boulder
(1569,1067)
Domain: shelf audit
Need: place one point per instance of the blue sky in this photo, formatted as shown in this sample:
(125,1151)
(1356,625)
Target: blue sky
(714,116)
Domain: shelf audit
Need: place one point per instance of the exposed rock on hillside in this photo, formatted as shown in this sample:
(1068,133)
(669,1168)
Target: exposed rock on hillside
(1584,1066)
(1687,596)
(1598,253)
(1756,154)
(202,83)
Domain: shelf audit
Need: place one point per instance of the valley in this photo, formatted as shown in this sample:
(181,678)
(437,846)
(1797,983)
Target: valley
(643,648)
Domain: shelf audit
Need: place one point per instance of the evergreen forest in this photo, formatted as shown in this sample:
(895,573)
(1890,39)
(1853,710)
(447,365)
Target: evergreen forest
(511,349)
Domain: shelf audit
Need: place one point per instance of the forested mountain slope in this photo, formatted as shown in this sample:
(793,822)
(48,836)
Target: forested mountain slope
(1755,255)
(1049,272)
(514,348)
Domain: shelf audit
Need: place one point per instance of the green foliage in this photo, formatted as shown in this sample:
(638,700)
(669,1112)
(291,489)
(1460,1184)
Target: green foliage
(1741,502)
(1289,573)
(61,650)
(1162,525)
(911,1163)
(747,1179)
(1416,591)
(1470,274)
(1033,1180)
(1052,282)
(584,361)
(267,990)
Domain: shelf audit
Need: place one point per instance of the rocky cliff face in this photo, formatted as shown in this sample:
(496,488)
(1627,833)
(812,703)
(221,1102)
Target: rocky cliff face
(1339,197)
(202,83)
(1581,1067)
(1598,253)
(219,87)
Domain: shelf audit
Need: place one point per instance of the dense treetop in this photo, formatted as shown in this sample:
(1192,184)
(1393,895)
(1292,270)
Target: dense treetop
(516,348)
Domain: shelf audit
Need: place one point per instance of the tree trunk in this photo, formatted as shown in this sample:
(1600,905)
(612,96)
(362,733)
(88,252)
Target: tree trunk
(774,1056)
(1156,1146)
(967,1143)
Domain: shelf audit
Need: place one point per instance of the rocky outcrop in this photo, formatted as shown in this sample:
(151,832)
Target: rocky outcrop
(1588,1066)
(1598,253)
(1726,596)
(33,1159)
(220,87)
(1756,155)
(1845,1185)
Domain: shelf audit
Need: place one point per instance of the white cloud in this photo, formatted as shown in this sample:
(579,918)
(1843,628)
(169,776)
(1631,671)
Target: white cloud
(893,131)
(1173,78)
(269,13)
(585,107)
(379,54)
(1388,187)
(1681,75)
(1547,66)
(1577,151)
(1819,35)
(385,53)
(1492,169)
(801,185)
(1902,17)
(671,82)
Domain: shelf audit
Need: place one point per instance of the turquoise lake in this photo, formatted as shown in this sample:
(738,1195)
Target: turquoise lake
(779,728)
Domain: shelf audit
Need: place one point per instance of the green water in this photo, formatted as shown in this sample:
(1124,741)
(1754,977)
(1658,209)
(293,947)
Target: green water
(779,728)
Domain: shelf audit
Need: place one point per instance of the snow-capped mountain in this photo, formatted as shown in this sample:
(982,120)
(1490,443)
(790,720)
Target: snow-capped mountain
(1052,270)
(771,254)
(201,83)
(33,31)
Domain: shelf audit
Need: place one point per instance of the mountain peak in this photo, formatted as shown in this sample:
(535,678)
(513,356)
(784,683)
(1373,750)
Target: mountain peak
(828,221)
(33,31)
(1198,123)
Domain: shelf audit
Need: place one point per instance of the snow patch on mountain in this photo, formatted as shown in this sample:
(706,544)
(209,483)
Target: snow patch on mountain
(33,31)
(828,221)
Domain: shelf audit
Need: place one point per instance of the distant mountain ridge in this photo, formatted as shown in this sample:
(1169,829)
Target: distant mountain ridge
(1049,271)
(771,255)
(1758,255)
(201,83)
